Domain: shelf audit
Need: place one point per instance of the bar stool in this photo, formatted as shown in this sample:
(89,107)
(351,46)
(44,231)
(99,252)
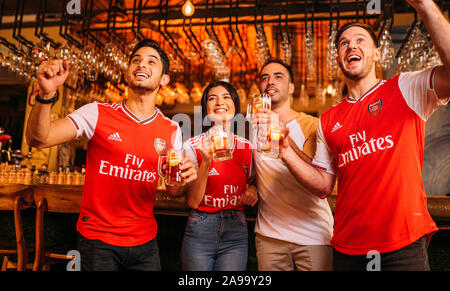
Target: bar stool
(16,198)
(52,198)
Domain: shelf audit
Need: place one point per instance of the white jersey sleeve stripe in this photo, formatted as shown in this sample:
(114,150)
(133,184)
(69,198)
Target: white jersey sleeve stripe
(323,159)
(85,119)
(418,91)
(190,152)
(177,138)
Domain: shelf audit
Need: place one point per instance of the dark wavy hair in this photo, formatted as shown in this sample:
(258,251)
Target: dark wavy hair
(234,96)
(153,44)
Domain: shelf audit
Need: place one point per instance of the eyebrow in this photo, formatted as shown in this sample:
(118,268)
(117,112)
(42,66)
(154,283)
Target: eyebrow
(216,95)
(358,34)
(276,74)
(152,56)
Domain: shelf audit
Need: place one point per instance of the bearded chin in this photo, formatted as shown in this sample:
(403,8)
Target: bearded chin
(357,76)
(353,77)
(142,87)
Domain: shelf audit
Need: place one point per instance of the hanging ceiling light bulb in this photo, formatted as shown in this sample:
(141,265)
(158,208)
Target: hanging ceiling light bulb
(188,8)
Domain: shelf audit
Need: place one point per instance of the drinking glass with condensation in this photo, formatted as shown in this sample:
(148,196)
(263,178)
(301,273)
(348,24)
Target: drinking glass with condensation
(270,138)
(220,142)
(169,167)
(260,101)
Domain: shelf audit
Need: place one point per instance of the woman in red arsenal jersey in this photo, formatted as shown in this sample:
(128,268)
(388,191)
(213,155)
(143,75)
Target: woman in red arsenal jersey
(216,236)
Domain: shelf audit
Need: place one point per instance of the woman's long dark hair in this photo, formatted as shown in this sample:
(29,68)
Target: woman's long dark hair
(234,96)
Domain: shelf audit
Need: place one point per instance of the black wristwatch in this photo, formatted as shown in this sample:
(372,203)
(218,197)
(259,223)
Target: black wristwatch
(47,101)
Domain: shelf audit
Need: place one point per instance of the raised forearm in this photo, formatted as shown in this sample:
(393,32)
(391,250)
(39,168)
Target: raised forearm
(38,125)
(317,182)
(438,26)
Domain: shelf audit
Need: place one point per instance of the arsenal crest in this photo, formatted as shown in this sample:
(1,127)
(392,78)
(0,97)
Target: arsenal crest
(375,107)
(160,146)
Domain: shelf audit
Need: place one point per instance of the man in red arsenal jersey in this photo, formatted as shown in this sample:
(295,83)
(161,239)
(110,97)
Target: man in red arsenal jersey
(373,142)
(125,139)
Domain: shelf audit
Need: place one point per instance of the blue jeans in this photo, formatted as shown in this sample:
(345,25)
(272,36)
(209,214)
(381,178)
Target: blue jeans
(99,256)
(215,241)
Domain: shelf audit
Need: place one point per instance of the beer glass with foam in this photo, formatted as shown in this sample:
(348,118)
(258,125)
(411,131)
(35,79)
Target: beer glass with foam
(171,164)
(260,101)
(220,143)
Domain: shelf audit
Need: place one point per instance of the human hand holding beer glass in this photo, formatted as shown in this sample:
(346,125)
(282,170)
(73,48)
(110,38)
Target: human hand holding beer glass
(176,168)
(259,101)
(219,142)
(271,133)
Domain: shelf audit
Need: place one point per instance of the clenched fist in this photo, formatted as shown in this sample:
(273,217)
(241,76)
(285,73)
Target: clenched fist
(51,75)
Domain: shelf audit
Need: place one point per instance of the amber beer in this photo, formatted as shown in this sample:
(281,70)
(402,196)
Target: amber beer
(173,174)
(260,101)
(220,144)
(272,146)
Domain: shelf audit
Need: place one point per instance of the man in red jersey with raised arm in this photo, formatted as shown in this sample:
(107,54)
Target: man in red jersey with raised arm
(116,222)
(373,142)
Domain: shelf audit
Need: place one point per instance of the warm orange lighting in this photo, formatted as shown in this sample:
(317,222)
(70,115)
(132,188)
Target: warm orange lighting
(188,8)
(330,89)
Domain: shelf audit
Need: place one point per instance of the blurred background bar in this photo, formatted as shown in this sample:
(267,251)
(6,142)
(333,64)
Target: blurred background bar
(206,40)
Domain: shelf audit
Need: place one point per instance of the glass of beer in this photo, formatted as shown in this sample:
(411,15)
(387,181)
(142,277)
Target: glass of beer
(220,142)
(270,139)
(169,167)
(260,101)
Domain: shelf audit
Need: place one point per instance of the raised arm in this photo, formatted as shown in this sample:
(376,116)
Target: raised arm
(316,181)
(439,29)
(41,131)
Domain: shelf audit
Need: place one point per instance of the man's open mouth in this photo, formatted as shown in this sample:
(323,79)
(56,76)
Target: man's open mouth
(351,59)
(141,75)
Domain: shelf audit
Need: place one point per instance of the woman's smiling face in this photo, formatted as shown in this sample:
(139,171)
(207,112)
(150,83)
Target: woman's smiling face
(220,105)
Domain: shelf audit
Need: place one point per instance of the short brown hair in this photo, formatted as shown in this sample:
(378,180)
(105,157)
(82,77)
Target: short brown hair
(367,27)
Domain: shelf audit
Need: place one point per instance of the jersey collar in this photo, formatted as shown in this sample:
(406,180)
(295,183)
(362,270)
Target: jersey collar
(370,91)
(135,118)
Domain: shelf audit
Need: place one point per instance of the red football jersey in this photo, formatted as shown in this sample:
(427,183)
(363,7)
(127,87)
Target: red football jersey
(227,180)
(375,145)
(121,172)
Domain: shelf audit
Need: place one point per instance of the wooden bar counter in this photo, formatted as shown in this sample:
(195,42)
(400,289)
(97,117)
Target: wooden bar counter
(66,198)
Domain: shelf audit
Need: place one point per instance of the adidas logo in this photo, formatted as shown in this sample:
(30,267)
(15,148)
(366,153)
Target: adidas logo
(115,136)
(336,127)
(213,172)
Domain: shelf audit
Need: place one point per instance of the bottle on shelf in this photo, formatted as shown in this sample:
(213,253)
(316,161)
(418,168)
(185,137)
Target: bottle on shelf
(43,172)
(60,175)
(68,177)
(76,176)
(27,180)
(34,175)
(83,174)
